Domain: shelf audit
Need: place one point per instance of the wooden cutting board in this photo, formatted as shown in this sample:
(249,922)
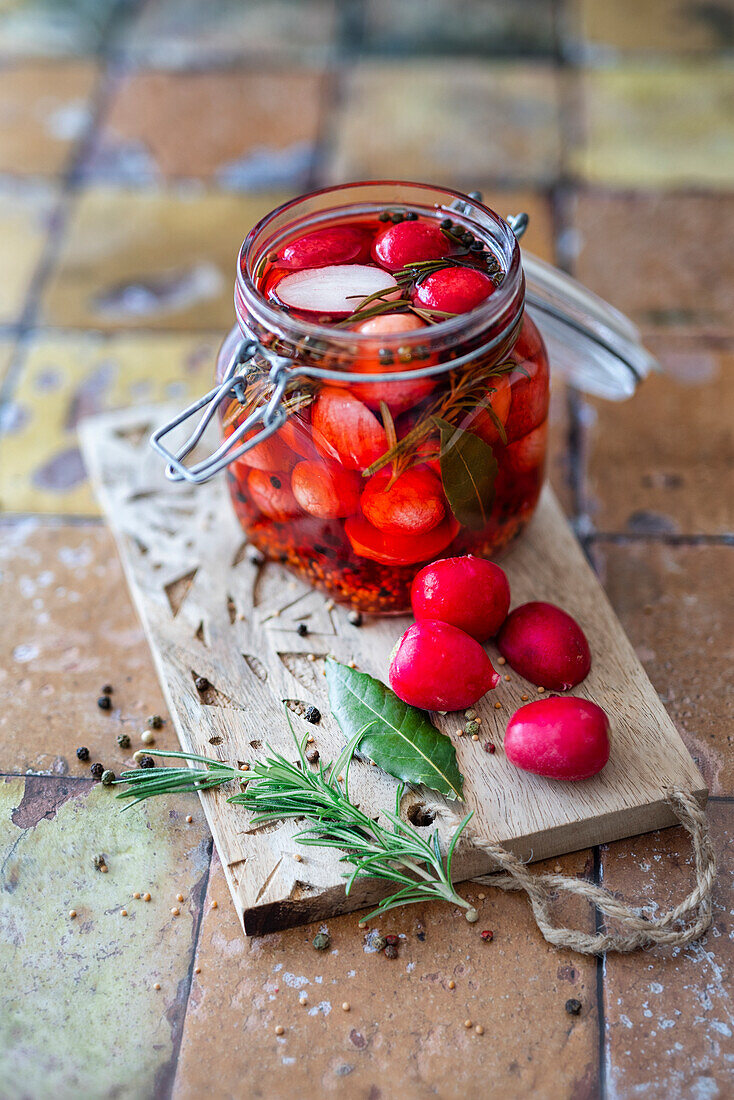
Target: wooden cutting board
(209,610)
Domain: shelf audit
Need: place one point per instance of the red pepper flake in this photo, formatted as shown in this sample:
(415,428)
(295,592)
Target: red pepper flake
(489,747)
(487,935)
(392,940)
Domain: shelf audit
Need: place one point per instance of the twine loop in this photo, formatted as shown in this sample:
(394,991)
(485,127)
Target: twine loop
(676,927)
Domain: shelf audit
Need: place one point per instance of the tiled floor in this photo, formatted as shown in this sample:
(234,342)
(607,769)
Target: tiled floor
(139,140)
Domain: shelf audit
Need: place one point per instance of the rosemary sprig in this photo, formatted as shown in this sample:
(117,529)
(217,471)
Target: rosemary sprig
(278,789)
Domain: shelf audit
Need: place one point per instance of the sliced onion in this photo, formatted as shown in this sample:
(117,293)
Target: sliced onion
(336,290)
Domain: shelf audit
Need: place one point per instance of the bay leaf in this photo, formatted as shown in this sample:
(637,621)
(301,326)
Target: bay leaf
(401,740)
(468,472)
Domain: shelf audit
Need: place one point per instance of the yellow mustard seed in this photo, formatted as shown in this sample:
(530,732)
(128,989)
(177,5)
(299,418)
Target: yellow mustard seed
(156,985)
(175,911)
(346,1006)
(146,897)
(479,1030)
(136,895)
(507,678)
(179,897)
(498,706)
(475,737)
(452,984)
(189,819)
(215,905)
(147,737)
(468,1024)
(541,690)
(298,857)
(501,661)
(524,698)
(123,912)
(280,1030)
(72,914)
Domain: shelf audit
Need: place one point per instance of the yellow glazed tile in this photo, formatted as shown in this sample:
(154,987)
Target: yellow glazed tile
(67,377)
(25,214)
(157,260)
(81,1015)
(604,29)
(448,123)
(44,112)
(660,127)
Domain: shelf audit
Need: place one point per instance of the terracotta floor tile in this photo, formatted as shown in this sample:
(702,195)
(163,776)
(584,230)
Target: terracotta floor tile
(151,260)
(173,33)
(233,128)
(663,462)
(677,605)
(44,113)
(483,27)
(602,29)
(33,28)
(81,1016)
(669,1013)
(664,259)
(665,127)
(65,378)
(69,628)
(448,123)
(404,1035)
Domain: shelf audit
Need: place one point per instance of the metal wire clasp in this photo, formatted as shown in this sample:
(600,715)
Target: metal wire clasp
(271,415)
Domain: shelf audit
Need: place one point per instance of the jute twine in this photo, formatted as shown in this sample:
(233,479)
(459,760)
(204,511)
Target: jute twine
(680,925)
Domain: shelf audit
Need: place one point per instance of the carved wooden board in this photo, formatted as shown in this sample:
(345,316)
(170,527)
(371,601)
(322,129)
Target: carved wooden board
(208,610)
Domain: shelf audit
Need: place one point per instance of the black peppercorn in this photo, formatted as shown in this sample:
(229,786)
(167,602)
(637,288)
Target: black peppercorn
(302,629)
(391,951)
(321,941)
(155,722)
(446,223)
(82,752)
(411,216)
(476,246)
(108,777)
(355,618)
(392,940)
(573,1007)
(107,689)
(201,683)
(97,770)
(398,216)
(104,702)
(313,715)
(123,740)
(312,756)
(146,762)
(383,216)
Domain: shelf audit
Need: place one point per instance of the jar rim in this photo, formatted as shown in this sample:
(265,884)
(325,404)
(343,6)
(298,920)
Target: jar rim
(482,316)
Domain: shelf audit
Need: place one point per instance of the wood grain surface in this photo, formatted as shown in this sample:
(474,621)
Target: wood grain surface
(210,610)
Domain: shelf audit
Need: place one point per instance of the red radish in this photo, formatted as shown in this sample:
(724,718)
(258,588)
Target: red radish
(340,244)
(454,289)
(481,422)
(271,454)
(470,593)
(398,396)
(528,453)
(346,430)
(296,434)
(387,324)
(413,504)
(560,738)
(272,495)
(369,542)
(435,666)
(336,290)
(325,491)
(408,242)
(530,393)
(545,645)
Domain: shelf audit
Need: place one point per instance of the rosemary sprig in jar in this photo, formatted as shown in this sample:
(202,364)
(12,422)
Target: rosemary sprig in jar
(278,789)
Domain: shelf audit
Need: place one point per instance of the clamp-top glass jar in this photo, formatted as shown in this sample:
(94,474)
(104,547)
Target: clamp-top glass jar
(384,395)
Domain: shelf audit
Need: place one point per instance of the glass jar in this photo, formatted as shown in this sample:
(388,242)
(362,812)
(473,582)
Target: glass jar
(354,459)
